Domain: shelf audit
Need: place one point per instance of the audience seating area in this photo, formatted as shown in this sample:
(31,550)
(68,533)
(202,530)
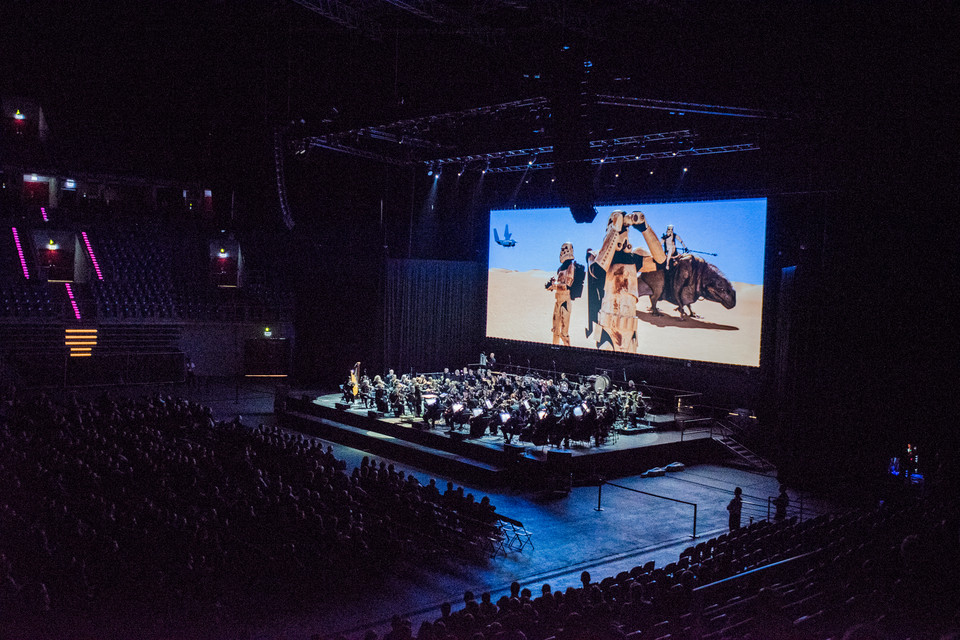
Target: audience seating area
(137,276)
(30,299)
(149,273)
(153,504)
(889,573)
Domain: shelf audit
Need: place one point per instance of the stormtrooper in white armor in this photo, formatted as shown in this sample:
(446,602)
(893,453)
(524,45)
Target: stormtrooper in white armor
(622,264)
(560,285)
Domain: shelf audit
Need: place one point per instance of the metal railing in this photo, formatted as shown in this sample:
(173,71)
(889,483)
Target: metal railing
(765,571)
(792,509)
(700,425)
(646,493)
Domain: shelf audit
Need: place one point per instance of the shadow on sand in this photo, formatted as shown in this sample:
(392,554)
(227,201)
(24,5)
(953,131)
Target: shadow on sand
(687,323)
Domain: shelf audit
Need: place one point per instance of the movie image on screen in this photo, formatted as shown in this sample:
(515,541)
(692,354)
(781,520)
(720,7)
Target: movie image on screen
(677,280)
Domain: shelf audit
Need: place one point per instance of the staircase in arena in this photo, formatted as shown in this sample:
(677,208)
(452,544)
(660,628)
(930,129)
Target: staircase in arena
(724,433)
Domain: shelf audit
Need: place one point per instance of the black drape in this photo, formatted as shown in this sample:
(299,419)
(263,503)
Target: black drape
(434,314)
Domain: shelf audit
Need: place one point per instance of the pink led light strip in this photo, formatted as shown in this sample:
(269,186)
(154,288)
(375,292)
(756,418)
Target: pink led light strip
(43,212)
(23,258)
(93,258)
(73,303)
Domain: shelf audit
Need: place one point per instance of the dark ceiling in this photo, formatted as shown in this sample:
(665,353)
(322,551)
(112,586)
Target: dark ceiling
(181,86)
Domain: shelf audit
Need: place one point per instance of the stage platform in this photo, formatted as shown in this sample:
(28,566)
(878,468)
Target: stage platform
(487,459)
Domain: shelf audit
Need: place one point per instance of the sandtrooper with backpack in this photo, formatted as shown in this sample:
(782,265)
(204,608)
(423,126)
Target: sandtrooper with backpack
(567,286)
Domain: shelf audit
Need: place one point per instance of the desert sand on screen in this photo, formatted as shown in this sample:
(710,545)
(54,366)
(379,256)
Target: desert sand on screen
(519,308)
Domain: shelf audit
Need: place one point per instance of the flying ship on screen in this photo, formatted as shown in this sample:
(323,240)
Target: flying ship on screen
(507,241)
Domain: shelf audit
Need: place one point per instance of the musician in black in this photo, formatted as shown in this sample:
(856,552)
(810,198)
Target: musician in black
(366,391)
(432,411)
(535,409)
(416,398)
(348,394)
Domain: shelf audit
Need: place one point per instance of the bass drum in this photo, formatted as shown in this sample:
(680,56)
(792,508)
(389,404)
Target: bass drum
(601,384)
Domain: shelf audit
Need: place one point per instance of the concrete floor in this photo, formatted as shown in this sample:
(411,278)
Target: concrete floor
(569,534)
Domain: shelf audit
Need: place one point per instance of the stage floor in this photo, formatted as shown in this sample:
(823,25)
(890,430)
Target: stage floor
(663,429)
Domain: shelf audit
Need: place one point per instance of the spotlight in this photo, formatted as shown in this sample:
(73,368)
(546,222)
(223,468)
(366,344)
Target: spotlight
(685,169)
(430,171)
(651,173)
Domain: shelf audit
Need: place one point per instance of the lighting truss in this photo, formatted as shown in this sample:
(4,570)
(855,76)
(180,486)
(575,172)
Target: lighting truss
(453,116)
(458,23)
(634,157)
(693,151)
(414,133)
(689,107)
(407,139)
(322,143)
(281,185)
(536,152)
(423,9)
(344,15)
(401,132)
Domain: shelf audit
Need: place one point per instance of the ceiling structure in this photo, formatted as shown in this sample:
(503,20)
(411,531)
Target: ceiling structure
(571,75)
(474,139)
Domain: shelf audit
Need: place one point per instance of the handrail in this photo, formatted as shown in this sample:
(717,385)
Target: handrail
(764,568)
(683,422)
(646,493)
(790,505)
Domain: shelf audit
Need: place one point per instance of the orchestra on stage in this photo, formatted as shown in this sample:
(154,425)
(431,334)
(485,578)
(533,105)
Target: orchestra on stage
(530,407)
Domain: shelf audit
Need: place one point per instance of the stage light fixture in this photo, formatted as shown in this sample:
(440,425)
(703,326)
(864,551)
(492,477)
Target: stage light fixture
(685,169)
(430,171)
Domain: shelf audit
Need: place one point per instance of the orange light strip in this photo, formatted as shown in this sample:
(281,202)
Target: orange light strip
(72,344)
(265,375)
(80,355)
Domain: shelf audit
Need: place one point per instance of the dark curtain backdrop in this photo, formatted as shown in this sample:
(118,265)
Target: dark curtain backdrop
(434,314)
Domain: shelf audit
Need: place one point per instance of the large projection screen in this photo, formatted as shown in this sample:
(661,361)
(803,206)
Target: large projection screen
(725,239)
